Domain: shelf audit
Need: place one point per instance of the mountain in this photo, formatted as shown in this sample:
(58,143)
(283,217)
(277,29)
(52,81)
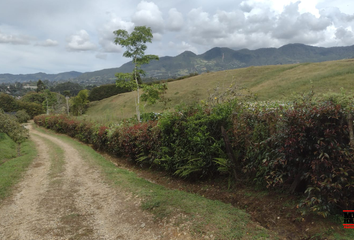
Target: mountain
(216,59)
(7,78)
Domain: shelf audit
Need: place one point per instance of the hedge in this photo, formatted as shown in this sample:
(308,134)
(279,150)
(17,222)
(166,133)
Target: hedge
(303,148)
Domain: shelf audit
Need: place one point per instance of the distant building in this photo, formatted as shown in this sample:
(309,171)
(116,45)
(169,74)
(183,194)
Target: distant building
(29,87)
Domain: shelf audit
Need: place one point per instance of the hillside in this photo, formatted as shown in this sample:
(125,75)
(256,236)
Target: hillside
(11,78)
(216,59)
(267,82)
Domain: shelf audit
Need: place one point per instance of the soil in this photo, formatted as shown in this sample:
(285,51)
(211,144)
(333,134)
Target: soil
(74,204)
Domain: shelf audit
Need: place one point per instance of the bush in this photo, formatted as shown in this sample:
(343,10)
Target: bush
(303,148)
(105,91)
(314,155)
(22,116)
(12,128)
(191,140)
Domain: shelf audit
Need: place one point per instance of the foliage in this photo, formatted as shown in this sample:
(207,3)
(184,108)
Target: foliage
(80,103)
(12,171)
(54,102)
(105,91)
(303,148)
(67,87)
(22,116)
(8,103)
(12,128)
(154,92)
(135,43)
(40,86)
(315,156)
(33,97)
(8,148)
(32,109)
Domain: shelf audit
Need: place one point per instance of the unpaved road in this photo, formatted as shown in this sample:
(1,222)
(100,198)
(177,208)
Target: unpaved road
(74,204)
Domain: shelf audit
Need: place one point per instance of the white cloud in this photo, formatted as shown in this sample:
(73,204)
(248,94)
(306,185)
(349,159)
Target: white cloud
(80,42)
(48,43)
(175,20)
(149,14)
(107,37)
(14,39)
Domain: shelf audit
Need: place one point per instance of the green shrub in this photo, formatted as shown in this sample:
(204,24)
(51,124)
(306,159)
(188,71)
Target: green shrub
(22,116)
(105,91)
(12,128)
(302,148)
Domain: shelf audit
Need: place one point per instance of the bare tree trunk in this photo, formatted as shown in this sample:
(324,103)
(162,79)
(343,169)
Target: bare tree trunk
(137,90)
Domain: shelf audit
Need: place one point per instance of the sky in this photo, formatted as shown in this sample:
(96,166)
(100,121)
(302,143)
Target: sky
(54,36)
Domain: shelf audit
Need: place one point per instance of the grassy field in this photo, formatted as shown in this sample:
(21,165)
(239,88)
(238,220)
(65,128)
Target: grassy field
(267,82)
(12,169)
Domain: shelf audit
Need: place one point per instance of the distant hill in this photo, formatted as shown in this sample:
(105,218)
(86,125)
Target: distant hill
(11,78)
(216,59)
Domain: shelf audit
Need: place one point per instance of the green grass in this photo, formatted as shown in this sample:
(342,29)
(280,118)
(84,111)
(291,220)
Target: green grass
(11,171)
(8,148)
(267,82)
(57,162)
(203,216)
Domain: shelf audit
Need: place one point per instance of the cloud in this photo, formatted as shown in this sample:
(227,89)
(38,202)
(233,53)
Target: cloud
(80,42)
(148,14)
(246,7)
(345,35)
(106,39)
(175,20)
(14,39)
(183,46)
(48,43)
(295,27)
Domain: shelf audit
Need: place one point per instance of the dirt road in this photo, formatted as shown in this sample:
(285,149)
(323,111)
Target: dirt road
(73,204)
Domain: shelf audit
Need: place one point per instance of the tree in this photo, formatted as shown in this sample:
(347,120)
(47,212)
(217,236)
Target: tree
(80,102)
(40,86)
(135,43)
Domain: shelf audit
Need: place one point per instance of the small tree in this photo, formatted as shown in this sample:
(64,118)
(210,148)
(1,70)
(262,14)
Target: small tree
(135,43)
(80,102)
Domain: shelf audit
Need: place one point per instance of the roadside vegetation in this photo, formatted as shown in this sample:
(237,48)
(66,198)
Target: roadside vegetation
(302,148)
(299,145)
(12,166)
(190,212)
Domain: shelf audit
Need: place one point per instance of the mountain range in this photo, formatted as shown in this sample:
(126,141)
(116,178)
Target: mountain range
(216,59)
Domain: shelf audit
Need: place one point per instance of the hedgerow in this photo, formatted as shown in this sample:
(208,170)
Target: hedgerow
(303,148)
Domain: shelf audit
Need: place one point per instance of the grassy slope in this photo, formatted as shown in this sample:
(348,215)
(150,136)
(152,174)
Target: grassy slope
(7,148)
(268,82)
(12,170)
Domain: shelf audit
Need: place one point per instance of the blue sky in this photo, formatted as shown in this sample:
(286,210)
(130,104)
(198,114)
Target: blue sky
(58,36)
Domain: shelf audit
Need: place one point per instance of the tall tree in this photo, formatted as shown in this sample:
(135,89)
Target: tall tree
(40,86)
(135,44)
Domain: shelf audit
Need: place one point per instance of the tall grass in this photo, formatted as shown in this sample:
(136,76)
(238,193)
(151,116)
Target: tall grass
(267,82)
(11,171)
(8,148)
